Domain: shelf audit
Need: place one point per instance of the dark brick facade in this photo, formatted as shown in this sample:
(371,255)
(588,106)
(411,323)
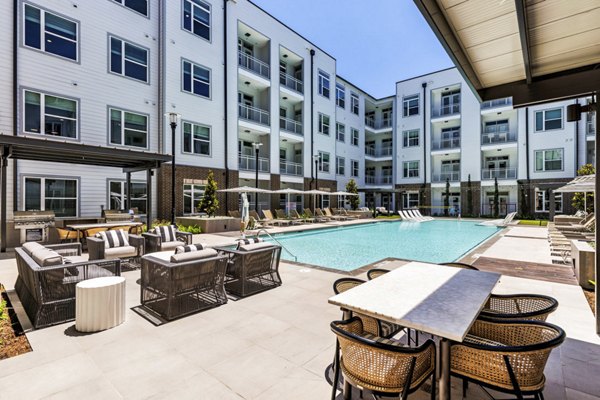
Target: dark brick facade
(475,196)
(326,185)
(424,196)
(528,188)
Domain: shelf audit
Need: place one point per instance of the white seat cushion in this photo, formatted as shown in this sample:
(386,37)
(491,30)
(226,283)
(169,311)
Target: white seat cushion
(193,255)
(46,258)
(255,246)
(170,245)
(120,252)
(30,247)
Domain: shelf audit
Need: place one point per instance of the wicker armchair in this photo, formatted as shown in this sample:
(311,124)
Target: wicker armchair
(383,366)
(98,251)
(48,292)
(509,357)
(154,242)
(376,272)
(519,307)
(460,265)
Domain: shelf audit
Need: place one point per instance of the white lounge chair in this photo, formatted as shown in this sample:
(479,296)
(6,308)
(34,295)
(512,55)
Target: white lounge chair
(414,216)
(426,218)
(500,222)
(407,217)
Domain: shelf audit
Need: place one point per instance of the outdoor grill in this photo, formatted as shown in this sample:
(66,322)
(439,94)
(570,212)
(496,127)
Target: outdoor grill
(33,225)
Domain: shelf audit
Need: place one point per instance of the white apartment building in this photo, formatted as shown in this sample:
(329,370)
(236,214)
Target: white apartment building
(241,80)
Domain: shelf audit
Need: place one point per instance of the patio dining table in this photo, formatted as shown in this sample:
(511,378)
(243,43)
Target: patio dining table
(439,300)
(107,225)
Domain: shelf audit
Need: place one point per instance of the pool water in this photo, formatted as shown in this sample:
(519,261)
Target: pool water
(348,248)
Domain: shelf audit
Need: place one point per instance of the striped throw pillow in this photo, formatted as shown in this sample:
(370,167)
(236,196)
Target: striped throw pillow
(243,242)
(114,238)
(167,233)
(188,248)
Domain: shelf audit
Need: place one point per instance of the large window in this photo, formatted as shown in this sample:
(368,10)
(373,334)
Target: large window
(340,95)
(324,84)
(51,194)
(196,139)
(547,120)
(50,33)
(196,18)
(324,124)
(355,168)
(50,115)
(340,132)
(410,169)
(410,200)
(118,195)
(192,195)
(323,161)
(128,129)
(549,160)
(340,165)
(196,79)
(542,201)
(140,6)
(354,103)
(410,105)
(410,138)
(355,136)
(128,59)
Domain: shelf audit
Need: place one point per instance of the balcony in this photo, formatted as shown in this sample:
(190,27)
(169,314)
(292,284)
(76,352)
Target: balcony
(254,64)
(378,180)
(290,82)
(590,127)
(383,124)
(506,102)
(446,144)
(290,168)
(499,173)
(497,136)
(445,111)
(254,114)
(381,152)
(451,176)
(289,125)
(248,163)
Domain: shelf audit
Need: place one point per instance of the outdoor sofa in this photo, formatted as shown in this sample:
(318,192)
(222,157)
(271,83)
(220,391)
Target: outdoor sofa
(48,276)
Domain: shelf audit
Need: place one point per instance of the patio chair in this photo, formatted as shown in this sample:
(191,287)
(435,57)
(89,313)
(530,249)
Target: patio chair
(330,214)
(319,214)
(460,265)
(376,273)
(385,367)
(258,219)
(272,220)
(500,222)
(163,238)
(309,214)
(64,235)
(426,218)
(109,245)
(281,215)
(295,216)
(510,307)
(508,357)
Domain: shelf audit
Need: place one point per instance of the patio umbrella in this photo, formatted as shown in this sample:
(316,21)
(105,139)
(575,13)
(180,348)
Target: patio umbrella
(288,191)
(245,210)
(244,190)
(315,192)
(344,194)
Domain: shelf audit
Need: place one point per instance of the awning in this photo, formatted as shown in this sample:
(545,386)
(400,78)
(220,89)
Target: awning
(581,184)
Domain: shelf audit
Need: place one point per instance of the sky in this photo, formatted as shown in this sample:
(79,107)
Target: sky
(375,42)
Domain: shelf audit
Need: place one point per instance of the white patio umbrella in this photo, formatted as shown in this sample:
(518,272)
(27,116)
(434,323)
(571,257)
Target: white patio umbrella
(344,194)
(244,190)
(288,191)
(245,208)
(315,192)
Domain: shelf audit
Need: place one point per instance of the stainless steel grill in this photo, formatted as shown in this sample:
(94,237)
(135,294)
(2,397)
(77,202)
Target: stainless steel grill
(33,225)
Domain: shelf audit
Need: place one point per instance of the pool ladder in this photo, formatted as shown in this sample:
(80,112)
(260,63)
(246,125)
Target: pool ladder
(276,241)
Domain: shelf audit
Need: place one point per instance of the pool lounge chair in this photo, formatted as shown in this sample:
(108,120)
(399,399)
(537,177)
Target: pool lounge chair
(295,215)
(281,215)
(500,222)
(424,217)
(320,214)
(329,214)
(343,212)
(309,214)
(407,217)
(272,220)
(415,216)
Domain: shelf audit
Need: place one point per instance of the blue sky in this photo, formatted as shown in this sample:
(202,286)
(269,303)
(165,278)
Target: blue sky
(376,42)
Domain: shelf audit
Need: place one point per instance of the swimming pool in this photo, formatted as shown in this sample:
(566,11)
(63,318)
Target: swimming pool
(348,248)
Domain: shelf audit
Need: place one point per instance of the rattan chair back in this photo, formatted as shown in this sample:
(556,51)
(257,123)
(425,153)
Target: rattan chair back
(343,284)
(376,272)
(93,231)
(519,307)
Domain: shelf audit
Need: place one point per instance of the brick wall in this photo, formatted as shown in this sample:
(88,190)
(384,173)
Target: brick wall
(476,198)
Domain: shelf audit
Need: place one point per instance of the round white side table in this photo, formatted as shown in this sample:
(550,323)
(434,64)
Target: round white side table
(99,303)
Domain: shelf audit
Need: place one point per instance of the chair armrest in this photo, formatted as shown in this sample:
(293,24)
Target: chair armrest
(185,237)
(66,247)
(95,248)
(152,242)
(138,242)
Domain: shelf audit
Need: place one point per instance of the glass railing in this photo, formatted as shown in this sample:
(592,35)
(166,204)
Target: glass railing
(248,163)
(493,137)
(384,123)
(378,180)
(445,111)
(290,168)
(290,125)
(499,173)
(590,127)
(291,83)
(505,102)
(446,144)
(254,114)
(381,152)
(253,64)
(451,176)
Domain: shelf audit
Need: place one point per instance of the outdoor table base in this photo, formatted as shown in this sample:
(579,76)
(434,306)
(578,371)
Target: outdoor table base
(99,303)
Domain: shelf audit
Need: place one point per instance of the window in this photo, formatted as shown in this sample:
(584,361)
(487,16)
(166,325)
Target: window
(50,194)
(118,195)
(340,95)
(549,160)
(355,136)
(323,161)
(50,115)
(410,105)
(140,6)
(324,124)
(325,201)
(340,132)
(410,200)
(127,59)
(128,129)
(50,33)
(340,165)
(196,18)
(410,169)
(196,79)
(547,120)
(542,201)
(354,103)
(410,138)
(323,84)
(192,195)
(355,168)
(196,139)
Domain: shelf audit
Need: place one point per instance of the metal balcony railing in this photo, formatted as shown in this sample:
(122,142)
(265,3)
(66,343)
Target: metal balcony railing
(451,176)
(490,136)
(290,168)
(384,123)
(253,64)
(378,180)
(499,173)
(507,101)
(445,111)
(254,114)
(446,144)
(381,152)
(590,127)
(248,163)
(291,83)
(289,125)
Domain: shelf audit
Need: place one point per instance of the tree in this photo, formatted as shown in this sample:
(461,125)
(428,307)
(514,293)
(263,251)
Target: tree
(209,203)
(447,198)
(579,202)
(469,197)
(496,198)
(352,188)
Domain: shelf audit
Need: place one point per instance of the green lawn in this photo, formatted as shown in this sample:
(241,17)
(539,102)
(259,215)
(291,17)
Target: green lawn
(533,222)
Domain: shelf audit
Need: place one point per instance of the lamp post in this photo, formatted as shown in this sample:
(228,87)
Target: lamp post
(317,158)
(173,118)
(256,149)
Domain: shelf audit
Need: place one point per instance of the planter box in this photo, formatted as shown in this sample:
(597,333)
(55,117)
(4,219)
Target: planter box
(584,258)
(361,214)
(212,225)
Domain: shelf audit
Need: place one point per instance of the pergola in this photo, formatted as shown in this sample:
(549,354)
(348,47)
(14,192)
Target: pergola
(48,150)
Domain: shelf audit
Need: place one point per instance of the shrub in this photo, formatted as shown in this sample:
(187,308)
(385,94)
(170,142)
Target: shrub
(195,229)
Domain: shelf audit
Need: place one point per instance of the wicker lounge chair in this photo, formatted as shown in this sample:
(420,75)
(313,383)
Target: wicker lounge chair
(319,213)
(329,214)
(132,252)
(509,357)
(382,366)
(460,265)
(295,216)
(154,241)
(175,285)
(376,273)
(533,307)
(272,220)
(46,285)
(309,214)
(281,215)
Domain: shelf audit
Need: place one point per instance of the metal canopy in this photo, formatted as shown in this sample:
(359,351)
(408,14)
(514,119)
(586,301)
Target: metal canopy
(581,184)
(534,51)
